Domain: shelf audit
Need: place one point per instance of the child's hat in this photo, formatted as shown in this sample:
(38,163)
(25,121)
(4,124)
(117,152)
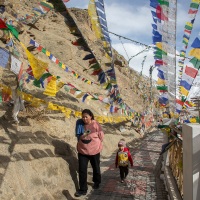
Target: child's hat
(121,143)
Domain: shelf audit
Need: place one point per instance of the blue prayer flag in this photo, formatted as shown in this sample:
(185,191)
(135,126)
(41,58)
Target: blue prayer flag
(196,43)
(4,56)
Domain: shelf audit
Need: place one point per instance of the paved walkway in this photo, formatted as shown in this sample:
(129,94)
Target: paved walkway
(143,182)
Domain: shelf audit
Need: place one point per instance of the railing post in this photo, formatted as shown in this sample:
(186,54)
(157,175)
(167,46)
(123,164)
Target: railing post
(191,161)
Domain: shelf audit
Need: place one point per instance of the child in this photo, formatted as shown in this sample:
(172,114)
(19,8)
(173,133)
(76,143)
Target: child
(122,160)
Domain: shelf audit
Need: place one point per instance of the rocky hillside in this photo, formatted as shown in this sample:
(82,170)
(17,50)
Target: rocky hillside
(38,155)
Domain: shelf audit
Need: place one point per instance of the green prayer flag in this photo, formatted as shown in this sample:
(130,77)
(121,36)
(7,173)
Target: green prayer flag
(60,64)
(158,56)
(67,89)
(188,27)
(184,42)
(198,120)
(13,30)
(108,86)
(47,5)
(38,82)
(163,2)
(44,50)
(163,87)
(159,51)
(163,126)
(194,5)
(196,63)
(95,66)
(1,100)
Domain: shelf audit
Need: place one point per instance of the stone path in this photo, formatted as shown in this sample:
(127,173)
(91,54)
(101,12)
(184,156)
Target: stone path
(143,181)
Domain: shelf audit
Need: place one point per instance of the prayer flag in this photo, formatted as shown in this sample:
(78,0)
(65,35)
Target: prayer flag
(38,66)
(163,2)
(190,71)
(13,31)
(184,91)
(195,52)
(84,97)
(15,65)
(160,81)
(188,26)
(89,56)
(51,88)
(194,5)
(187,78)
(4,56)
(196,43)
(191,11)
(160,14)
(160,87)
(195,62)
(2,24)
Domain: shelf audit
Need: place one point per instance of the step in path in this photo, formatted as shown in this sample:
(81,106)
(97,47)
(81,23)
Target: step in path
(143,181)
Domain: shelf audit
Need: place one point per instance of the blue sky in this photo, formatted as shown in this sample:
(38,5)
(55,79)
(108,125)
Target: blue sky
(133,19)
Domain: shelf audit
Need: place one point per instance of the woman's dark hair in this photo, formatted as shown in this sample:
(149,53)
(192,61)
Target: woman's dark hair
(89,112)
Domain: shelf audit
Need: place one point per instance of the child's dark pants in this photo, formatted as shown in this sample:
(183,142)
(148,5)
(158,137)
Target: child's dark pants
(123,171)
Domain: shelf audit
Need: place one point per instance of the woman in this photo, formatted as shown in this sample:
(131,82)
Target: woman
(90,136)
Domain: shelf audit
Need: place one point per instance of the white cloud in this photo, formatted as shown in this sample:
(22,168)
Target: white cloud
(136,62)
(124,20)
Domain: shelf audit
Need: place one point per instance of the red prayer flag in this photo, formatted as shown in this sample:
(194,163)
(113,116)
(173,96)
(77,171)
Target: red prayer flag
(187,31)
(160,14)
(192,11)
(57,61)
(65,1)
(92,61)
(190,71)
(40,48)
(2,24)
(96,72)
(160,62)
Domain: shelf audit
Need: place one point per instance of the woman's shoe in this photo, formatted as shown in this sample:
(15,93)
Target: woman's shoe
(80,193)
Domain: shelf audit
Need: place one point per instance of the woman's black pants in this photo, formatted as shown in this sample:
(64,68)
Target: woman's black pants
(83,165)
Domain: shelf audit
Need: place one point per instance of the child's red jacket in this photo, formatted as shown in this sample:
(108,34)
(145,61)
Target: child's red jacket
(122,158)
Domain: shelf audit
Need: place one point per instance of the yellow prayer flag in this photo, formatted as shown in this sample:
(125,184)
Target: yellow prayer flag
(89,82)
(184,91)
(78,114)
(186,40)
(52,106)
(193,120)
(48,53)
(26,97)
(107,106)
(160,81)
(80,95)
(35,102)
(89,98)
(59,86)
(51,88)
(63,66)
(195,52)
(37,65)
(159,45)
(99,119)
(67,112)
(196,1)
(189,24)
(61,108)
